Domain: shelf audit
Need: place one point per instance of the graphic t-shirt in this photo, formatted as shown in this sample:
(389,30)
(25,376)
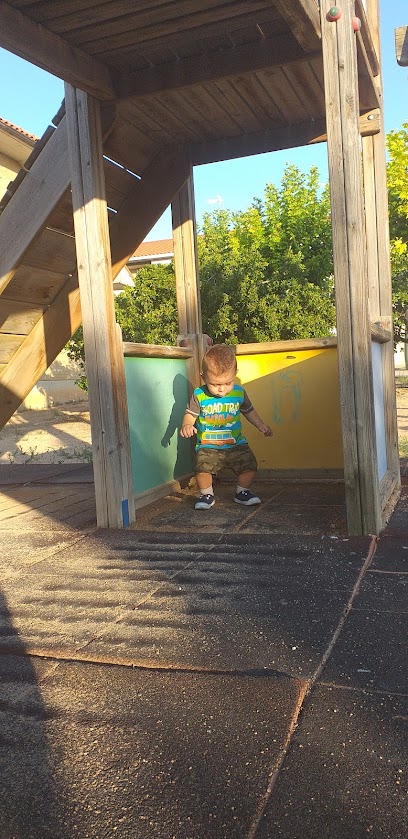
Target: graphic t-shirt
(219,423)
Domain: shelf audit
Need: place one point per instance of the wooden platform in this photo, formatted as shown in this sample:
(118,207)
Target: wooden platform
(62,496)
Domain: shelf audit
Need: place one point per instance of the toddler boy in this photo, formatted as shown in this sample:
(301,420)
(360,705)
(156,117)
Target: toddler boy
(213,414)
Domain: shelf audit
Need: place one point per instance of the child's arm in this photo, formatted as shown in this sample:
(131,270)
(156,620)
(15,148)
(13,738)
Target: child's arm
(188,428)
(256,420)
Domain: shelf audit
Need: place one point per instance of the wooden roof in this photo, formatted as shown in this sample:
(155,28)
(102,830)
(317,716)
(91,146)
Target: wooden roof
(180,82)
(229,77)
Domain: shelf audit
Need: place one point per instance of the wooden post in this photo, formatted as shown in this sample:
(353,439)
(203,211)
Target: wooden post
(113,490)
(350,270)
(185,259)
(377,222)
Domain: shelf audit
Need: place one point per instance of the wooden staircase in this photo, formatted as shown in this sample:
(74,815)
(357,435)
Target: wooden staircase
(39,296)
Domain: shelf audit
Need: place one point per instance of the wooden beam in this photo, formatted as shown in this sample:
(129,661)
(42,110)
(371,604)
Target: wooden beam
(374,149)
(368,92)
(113,489)
(40,46)
(135,350)
(39,348)
(303,19)
(367,38)
(287,137)
(149,199)
(286,346)
(63,317)
(185,259)
(350,270)
(401,45)
(25,216)
(187,72)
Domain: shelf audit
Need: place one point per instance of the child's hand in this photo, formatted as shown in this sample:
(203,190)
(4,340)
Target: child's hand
(188,431)
(266,430)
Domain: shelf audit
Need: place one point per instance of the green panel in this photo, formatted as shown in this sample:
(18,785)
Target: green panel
(157,393)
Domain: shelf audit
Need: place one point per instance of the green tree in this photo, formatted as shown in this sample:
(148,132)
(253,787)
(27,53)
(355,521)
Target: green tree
(147,313)
(397,180)
(265,273)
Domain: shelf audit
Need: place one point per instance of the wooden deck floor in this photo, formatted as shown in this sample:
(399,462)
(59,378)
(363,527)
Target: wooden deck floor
(62,497)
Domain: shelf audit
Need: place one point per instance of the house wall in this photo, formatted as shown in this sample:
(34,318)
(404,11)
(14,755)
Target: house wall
(8,170)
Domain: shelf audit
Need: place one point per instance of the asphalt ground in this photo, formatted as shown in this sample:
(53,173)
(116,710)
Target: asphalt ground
(233,674)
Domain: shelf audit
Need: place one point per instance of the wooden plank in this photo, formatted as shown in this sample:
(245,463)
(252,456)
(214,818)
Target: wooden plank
(401,45)
(132,349)
(34,285)
(209,116)
(39,348)
(63,15)
(378,153)
(112,490)
(340,256)
(388,484)
(303,78)
(18,318)
(288,99)
(151,196)
(370,203)
(233,103)
(24,217)
(286,346)
(62,318)
(287,137)
(125,52)
(122,420)
(350,268)
(118,183)
(9,344)
(386,304)
(274,139)
(176,127)
(367,38)
(302,17)
(368,92)
(151,495)
(62,218)
(33,42)
(53,251)
(192,18)
(129,146)
(197,69)
(185,259)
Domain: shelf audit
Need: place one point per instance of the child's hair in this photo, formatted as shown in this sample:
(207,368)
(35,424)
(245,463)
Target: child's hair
(219,359)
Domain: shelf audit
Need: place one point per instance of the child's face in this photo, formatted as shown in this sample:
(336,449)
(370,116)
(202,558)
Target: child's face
(219,384)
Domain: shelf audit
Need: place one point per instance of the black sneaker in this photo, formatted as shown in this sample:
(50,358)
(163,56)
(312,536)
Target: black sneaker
(246,497)
(205,502)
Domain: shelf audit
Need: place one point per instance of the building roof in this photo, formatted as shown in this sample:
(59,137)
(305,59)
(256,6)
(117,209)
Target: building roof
(15,143)
(17,129)
(157,247)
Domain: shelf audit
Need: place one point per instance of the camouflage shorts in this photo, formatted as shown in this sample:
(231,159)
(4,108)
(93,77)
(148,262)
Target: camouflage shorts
(239,458)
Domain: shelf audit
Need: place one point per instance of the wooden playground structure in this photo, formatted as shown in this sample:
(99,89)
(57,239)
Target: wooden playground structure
(151,90)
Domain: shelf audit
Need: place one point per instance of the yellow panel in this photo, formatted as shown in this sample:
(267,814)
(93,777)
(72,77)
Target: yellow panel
(297,394)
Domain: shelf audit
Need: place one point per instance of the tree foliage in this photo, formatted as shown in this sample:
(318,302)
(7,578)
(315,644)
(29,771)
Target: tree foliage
(397,176)
(265,273)
(147,312)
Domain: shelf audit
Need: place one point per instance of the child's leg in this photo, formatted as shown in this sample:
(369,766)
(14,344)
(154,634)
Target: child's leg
(204,482)
(246,467)
(245,479)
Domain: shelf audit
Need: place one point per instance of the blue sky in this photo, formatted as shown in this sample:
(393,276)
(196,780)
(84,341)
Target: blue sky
(30,97)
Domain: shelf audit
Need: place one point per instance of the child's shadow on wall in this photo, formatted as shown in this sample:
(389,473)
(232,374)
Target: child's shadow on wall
(184,458)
